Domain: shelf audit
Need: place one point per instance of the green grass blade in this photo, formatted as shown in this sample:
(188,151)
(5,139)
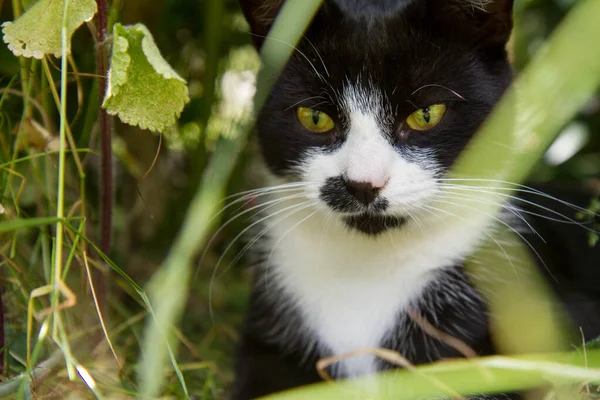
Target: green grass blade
(169,287)
(16,224)
(470,377)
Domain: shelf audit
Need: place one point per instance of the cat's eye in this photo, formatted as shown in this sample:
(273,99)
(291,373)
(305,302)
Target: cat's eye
(426,118)
(314,120)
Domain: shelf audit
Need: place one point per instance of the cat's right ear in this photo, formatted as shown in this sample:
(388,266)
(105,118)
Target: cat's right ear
(260,14)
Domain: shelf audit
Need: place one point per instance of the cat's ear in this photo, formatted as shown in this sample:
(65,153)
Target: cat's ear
(494,20)
(260,14)
(488,22)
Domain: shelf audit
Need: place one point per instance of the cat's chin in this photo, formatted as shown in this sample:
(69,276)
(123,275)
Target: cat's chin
(373,224)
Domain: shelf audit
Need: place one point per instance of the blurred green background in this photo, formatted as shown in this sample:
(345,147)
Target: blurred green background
(207,42)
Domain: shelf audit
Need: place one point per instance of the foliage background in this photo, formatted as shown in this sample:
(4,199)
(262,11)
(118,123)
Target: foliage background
(207,42)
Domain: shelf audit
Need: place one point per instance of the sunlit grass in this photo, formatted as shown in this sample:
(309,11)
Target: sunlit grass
(169,286)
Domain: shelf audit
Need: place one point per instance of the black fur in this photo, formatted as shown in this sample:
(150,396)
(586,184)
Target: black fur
(402,47)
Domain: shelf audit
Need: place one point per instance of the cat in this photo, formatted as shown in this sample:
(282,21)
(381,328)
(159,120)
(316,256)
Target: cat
(372,110)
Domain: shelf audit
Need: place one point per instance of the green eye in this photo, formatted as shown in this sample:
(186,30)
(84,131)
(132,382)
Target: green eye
(426,118)
(315,121)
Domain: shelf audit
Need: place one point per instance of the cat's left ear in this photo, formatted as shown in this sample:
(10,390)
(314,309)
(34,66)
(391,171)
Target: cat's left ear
(494,20)
(486,22)
(260,14)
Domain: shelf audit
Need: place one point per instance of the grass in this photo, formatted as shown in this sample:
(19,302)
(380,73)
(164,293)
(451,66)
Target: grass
(72,332)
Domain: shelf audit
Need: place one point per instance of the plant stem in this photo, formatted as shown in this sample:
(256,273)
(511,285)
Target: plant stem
(106,149)
(106,183)
(2,352)
(60,201)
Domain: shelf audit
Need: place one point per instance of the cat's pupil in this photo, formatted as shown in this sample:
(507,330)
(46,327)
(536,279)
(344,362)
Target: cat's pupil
(426,115)
(316,116)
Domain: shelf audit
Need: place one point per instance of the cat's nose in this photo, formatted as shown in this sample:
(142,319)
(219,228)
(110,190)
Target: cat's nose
(364,192)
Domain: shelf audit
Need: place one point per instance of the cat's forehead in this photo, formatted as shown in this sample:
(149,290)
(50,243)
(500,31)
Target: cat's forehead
(397,53)
(377,9)
(412,43)
(364,30)
(370,9)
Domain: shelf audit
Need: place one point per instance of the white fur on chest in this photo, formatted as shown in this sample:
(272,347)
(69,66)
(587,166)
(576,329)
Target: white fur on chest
(349,288)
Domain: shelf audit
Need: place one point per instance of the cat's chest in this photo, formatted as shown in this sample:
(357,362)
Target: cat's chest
(348,315)
(350,296)
(351,290)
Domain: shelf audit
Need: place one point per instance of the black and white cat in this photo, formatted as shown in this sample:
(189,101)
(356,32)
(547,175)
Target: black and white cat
(374,107)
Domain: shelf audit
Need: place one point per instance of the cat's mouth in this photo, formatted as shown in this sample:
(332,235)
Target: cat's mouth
(373,224)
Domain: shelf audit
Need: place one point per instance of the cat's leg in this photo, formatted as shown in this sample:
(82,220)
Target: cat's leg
(263,369)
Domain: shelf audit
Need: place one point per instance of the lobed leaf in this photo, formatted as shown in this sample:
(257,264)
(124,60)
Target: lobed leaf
(143,90)
(38,31)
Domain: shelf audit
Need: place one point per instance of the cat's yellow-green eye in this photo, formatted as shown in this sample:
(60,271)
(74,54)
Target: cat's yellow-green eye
(314,120)
(426,118)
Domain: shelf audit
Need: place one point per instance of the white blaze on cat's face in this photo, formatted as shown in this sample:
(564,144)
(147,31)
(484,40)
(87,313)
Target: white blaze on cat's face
(405,178)
(366,156)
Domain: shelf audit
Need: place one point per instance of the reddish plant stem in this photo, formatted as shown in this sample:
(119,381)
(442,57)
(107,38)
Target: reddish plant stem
(2,350)
(106,176)
(106,183)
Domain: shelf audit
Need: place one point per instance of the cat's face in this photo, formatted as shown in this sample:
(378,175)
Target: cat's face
(380,99)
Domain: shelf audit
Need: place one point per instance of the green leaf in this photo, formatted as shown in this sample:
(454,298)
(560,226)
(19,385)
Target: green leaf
(37,32)
(143,89)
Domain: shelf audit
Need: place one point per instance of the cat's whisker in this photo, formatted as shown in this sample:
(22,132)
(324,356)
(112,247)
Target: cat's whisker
(269,203)
(565,219)
(250,195)
(248,198)
(514,209)
(499,192)
(497,242)
(533,249)
(391,237)
(507,206)
(247,247)
(318,55)
(237,237)
(415,218)
(519,188)
(319,104)
(302,101)
(327,219)
(440,86)
(265,206)
(296,51)
(485,232)
(268,263)
(266,189)
(413,104)
(255,239)
(417,221)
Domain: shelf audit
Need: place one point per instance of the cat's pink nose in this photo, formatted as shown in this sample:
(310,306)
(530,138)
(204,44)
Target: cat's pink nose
(365,192)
